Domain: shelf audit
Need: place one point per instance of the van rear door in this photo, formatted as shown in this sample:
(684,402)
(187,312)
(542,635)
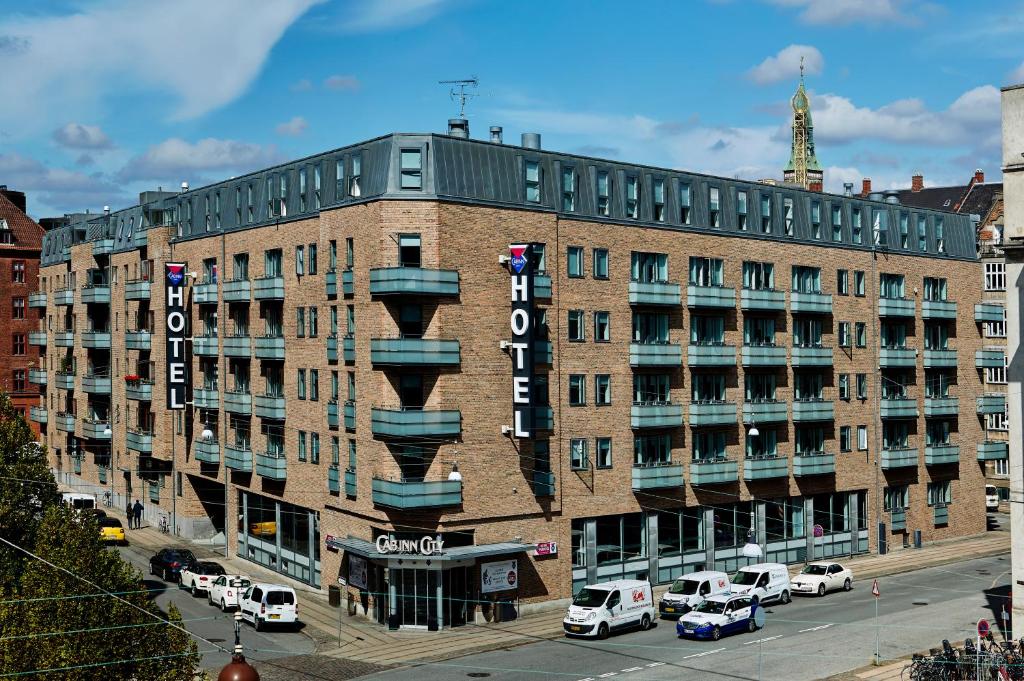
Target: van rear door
(280,605)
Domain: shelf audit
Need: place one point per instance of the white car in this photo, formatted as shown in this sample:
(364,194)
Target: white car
(264,604)
(223,594)
(717,615)
(197,577)
(991,498)
(817,578)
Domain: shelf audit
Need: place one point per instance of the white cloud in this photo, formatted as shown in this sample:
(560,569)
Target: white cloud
(107,49)
(301,85)
(57,188)
(175,159)
(846,12)
(381,15)
(78,136)
(293,128)
(337,82)
(786,64)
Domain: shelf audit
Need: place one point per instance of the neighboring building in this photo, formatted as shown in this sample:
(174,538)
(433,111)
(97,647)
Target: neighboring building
(983,201)
(701,369)
(20,242)
(803,168)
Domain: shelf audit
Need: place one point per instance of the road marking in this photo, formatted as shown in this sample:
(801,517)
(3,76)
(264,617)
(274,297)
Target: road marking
(823,626)
(706,652)
(605,676)
(762,640)
(631,669)
(656,664)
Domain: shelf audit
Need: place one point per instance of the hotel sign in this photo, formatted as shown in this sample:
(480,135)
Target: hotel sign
(426,546)
(177,368)
(522,321)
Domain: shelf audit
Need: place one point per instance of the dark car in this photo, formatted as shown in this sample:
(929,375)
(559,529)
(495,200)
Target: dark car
(198,576)
(168,563)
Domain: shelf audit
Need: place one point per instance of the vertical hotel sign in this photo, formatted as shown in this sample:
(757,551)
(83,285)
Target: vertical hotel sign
(177,373)
(522,339)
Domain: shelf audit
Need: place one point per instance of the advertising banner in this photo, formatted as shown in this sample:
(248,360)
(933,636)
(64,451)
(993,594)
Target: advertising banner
(499,576)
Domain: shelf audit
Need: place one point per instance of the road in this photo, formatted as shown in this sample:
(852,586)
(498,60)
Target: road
(809,639)
(203,620)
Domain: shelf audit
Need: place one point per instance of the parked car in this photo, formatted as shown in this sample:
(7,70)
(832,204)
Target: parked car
(96,513)
(222,594)
(168,563)
(111,530)
(763,582)
(991,498)
(264,529)
(263,604)
(199,576)
(600,609)
(717,615)
(817,578)
(78,501)
(690,590)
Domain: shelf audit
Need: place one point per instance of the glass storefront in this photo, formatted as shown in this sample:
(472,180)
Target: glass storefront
(279,536)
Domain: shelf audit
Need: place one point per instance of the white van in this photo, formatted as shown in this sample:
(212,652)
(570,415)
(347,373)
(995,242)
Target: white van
(689,591)
(77,501)
(991,498)
(264,604)
(764,582)
(600,609)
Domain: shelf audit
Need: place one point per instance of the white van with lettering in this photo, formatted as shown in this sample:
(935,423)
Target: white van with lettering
(600,609)
(764,582)
(689,591)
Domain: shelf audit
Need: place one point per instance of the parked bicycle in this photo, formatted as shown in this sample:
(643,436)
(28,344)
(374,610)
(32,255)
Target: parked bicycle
(164,527)
(992,661)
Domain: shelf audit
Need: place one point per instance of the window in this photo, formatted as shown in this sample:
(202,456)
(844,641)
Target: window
(533,180)
(856,229)
(301,384)
(652,450)
(936,336)
(250,205)
(19,381)
(844,334)
(807,332)
(816,219)
(300,322)
(764,445)
(759,276)
(302,445)
(300,260)
(314,384)
(575,261)
(808,385)
(603,452)
(880,228)
(787,216)
(339,179)
(649,267)
(602,327)
(659,200)
(922,233)
(844,438)
(576,332)
(302,190)
(893,335)
(904,230)
(891,286)
(1002,467)
(861,334)
(632,197)
(314,448)
(714,207)
(412,169)
(238,205)
(18,344)
(759,331)
(684,203)
(568,189)
(409,254)
(284,194)
(862,386)
(18,272)
(355,182)
(939,493)
(995,276)
(858,283)
(806,279)
(603,193)
(577,390)
(600,263)
(937,432)
(996,421)
(650,327)
(316,187)
(651,389)
(708,446)
(837,223)
(940,240)
(602,389)
(934,289)
(578,460)
(314,328)
(706,271)
(350,258)
(708,330)
(741,210)
(862,438)
(708,388)
(18,311)
(996,329)
(766,213)
(843,282)
(844,386)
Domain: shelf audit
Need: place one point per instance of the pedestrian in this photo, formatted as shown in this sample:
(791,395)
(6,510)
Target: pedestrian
(129,514)
(138,514)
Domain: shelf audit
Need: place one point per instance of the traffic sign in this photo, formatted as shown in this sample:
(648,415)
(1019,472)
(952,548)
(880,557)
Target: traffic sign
(982,628)
(874,589)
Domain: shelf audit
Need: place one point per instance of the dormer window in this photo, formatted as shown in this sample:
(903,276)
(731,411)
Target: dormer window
(6,235)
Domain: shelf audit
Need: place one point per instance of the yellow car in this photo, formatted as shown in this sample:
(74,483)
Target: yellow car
(111,530)
(264,529)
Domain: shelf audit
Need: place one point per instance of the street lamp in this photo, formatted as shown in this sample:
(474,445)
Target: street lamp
(238,669)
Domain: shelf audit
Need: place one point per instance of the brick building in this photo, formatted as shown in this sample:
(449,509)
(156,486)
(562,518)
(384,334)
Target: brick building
(714,362)
(21,240)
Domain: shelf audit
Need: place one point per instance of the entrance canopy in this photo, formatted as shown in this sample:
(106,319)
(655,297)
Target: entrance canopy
(366,549)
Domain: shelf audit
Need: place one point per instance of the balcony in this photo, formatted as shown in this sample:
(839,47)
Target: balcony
(941,406)
(699,356)
(94,430)
(206,346)
(899,458)
(206,398)
(37,376)
(38,338)
(102,247)
(269,406)
(765,468)
(938,309)
(805,465)
(417,281)
(272,466)
(763,356)
(941,455)
(993,450)
(238,291)
(138,289)
(65,422)
(896,307)
(140,390)
(96,295)
(350,483)
(992,404)
(898,408)
(37,299)
(268,288)
(765,300)
(710,296)
(712,414)
(269,347)
(238,346)
(989,359)
(412,495)
(65,296)
(542,286)
(813,410)
(414,352)
(655,355)
(654,293)
(350,415)
(333,479)
(897,358)
(415,423)
(96,384)
(207,451)
(64,380)
(656,415)
(205,292)
(810,303)
(764,411)
(542,353)
(348,287)
(713,472)
(543,484)
(940,514)
(657,476)
(898,521)
(141,237)
(96,340)
(238,403)
(238,458)
(331,283)
(348,349)
(140,441)
(989,312)
(38,414)
(332,414)
(138,340)
(802,357)
(939,359)
(64,339)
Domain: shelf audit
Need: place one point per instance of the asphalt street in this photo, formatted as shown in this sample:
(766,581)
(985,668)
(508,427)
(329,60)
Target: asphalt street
(208,622)
(809,639)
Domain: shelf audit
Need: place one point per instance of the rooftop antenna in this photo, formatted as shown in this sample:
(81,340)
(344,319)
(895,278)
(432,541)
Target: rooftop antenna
(458,91)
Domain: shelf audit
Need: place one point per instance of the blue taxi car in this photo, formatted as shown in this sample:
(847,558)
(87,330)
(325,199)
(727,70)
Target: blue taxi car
(718,615)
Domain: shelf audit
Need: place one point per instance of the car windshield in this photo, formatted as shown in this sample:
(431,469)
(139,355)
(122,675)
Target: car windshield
(813,570)
(181,556)
(744,578)
(712,607)
(687,587)
(280,598)
(590,598)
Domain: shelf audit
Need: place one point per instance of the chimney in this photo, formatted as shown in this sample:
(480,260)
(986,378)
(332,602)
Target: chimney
(916,182)
(847,189)
(865,186)
(458,127)
(496,134)
(979,175)
(531,140)
(106,210)
(184,187)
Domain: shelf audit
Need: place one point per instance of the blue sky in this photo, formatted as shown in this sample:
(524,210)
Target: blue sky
(104,99)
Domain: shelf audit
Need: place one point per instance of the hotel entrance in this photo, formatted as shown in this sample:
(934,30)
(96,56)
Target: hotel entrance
(418,595)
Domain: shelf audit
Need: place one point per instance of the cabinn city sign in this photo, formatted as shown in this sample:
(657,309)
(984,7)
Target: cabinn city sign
(177,373)
(521,269)
(426,546)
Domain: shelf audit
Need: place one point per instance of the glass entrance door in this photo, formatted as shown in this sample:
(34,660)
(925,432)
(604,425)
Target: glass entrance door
(415,596)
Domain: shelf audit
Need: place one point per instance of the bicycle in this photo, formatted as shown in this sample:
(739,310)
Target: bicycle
(164,527)
(108,499)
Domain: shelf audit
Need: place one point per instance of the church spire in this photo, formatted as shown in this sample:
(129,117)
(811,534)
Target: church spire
(803,167)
